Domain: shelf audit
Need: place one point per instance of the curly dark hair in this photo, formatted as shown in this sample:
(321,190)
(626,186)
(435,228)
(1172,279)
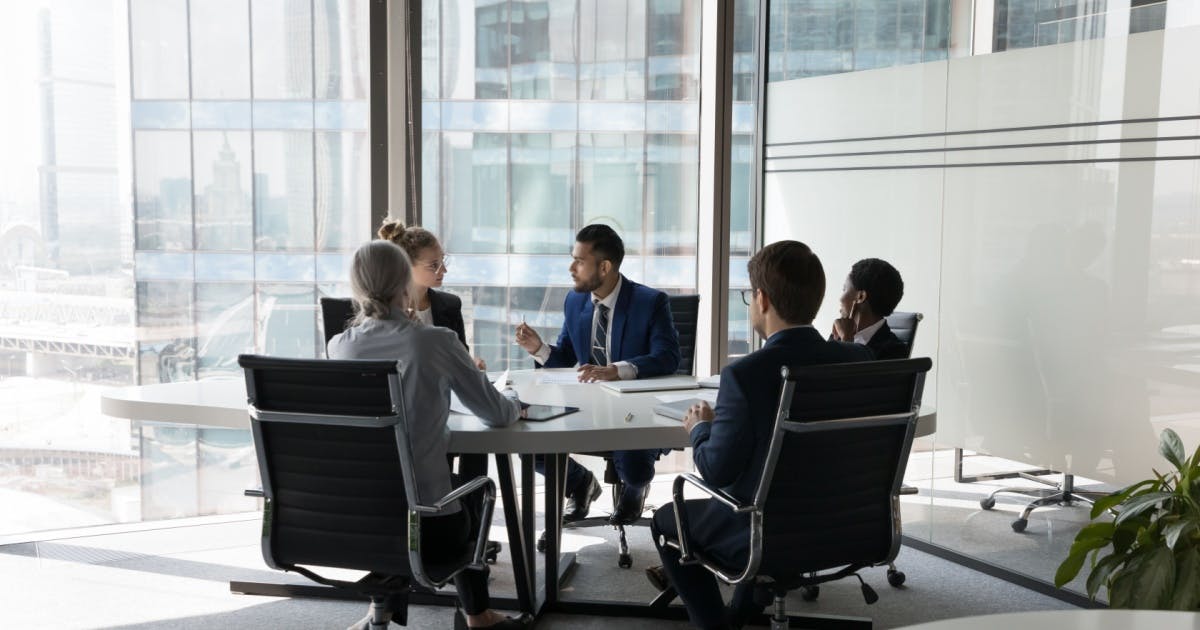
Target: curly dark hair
(881,281)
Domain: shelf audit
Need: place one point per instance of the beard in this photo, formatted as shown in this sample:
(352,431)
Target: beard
(587,285)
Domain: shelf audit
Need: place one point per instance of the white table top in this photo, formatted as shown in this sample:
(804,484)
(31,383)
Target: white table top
(1071,620)
(599,425)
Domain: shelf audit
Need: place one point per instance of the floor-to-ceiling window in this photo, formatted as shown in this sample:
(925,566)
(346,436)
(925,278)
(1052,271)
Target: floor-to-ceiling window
(541,116)
(194,174)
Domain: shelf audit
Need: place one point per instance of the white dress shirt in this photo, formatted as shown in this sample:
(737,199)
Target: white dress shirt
(433,362)
(864,336)
(626,371)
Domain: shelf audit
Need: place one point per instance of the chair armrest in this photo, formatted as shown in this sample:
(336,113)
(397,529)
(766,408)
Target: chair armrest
(681,519)
(489,501)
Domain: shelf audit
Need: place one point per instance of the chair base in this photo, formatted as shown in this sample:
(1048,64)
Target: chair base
(1062,493)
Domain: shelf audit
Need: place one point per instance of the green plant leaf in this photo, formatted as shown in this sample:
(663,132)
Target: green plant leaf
(1171,448)
(1187,581)
(1120,590)
(1173,531)
(1070,567)
(1155,579)
(1108,501)
(1101,571)
(1125,535)
(1096,531)
(1137,505)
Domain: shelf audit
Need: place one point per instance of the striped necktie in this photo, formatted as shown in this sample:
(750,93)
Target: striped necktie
(600,337)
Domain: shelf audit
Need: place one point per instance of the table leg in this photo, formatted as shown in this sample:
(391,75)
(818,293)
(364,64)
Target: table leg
(518,538)
(555,469)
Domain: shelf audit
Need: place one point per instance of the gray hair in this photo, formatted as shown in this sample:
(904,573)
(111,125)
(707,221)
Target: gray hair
(379,272)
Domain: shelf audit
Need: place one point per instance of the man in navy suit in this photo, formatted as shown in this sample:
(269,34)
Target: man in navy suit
(730,443)
(615,329)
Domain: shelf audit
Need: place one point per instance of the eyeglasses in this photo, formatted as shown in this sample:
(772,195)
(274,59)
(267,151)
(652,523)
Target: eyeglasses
(747,296)
(437,265)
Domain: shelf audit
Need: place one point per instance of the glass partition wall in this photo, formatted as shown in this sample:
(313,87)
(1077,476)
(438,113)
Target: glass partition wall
(1031,169)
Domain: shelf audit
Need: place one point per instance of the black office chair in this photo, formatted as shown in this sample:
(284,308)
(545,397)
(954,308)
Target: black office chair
(336,314)
(685,311)
(827,503)
(904,326)
(337,473)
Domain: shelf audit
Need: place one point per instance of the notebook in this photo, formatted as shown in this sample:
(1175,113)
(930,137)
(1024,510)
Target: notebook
(659,384)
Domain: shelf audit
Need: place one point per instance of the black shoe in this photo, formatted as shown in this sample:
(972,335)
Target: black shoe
(579,503)
(658,577)
(630,506)
(509,623)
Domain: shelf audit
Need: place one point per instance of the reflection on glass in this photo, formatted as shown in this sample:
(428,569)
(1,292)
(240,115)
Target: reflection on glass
(163,189)
(543,53)
(475,175)
(223,184)
(224,326)
(541,308)
(158,36)
(491,49)
(672,193)
(283,189)
(612,50)
(287,320)
(220,40)
(342,49)
(674,50)
(431,44)
(610,184)
(282,34)
(167,348)
(431,178)
(1029,23)
(542,177)
(343,189)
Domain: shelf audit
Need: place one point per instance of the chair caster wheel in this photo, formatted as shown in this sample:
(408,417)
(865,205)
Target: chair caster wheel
(492,551)
(987,503)
(541,542)
(1019,525)
(896,578)
(810,593)
(625,561)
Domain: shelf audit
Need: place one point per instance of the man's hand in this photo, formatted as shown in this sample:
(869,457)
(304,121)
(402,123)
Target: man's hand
(844,329)
(697,413)
(591,373)
(528,338)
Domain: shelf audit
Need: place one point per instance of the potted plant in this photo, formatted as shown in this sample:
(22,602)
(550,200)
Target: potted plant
(1148,556)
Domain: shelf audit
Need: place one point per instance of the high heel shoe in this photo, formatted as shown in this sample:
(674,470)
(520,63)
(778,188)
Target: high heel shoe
(509,623)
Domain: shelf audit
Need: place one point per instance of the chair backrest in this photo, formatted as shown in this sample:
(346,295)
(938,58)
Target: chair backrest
(330,438)
(685,310)
(837,458)
(904,326)
(336,314)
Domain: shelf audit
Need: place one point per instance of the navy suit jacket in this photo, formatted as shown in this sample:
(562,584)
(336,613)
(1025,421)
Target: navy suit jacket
(729,452)
(643,332)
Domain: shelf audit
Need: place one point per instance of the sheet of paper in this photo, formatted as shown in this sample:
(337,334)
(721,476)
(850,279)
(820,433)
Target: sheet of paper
(501,381)
(558,378)
(706,395)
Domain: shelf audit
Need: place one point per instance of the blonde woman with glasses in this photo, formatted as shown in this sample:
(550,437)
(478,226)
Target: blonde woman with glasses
(429,265)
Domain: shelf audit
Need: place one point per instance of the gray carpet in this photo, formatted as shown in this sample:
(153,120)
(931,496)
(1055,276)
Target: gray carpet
(178,578)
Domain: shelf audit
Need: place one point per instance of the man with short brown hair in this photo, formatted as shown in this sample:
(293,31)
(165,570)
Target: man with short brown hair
(730,443)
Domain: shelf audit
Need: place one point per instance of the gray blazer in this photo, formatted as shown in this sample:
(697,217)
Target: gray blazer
(433,363)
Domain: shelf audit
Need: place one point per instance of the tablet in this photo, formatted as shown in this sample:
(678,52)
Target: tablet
(541,413)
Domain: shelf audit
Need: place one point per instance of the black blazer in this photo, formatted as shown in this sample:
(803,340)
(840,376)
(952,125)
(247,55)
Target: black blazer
(446,309)
(886,345)
(730,451)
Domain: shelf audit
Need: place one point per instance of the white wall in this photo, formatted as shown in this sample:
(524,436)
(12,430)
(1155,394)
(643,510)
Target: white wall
(1060,283)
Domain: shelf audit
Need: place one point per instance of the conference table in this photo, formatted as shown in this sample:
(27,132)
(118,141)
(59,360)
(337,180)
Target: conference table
(606,420)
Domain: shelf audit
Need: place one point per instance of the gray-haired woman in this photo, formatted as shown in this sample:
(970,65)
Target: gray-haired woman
(434,363)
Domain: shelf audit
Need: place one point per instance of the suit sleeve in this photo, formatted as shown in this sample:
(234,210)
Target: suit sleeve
(722,448)
(474,390)
(664,355)
(562,354)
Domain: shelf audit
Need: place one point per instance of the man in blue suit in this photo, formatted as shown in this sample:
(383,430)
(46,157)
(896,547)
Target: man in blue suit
(614,329)
(730,443)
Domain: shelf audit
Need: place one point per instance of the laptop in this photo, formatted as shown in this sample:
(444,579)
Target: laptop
(659,384)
